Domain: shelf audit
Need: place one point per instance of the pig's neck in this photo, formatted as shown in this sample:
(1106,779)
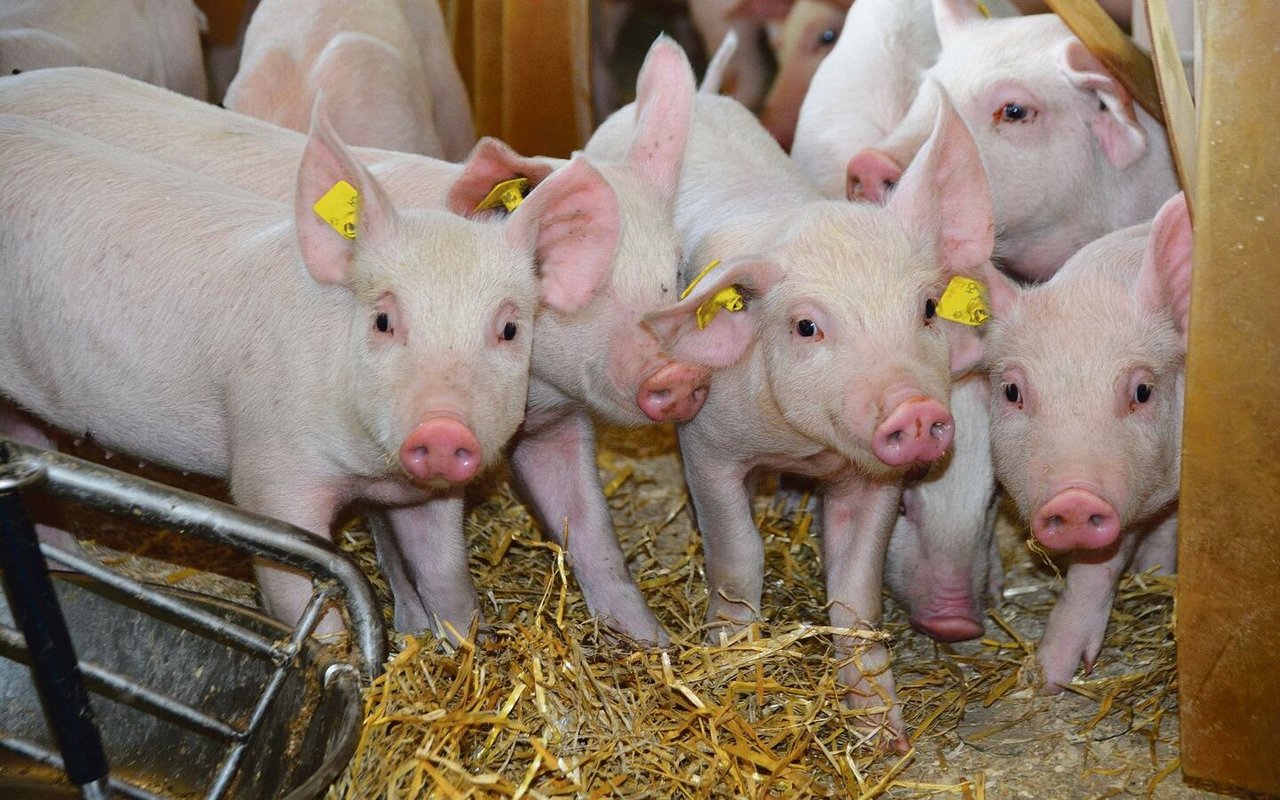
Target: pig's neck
(742,422)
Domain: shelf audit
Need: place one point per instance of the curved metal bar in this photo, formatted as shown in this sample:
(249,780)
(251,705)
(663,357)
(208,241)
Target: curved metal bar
(157,504)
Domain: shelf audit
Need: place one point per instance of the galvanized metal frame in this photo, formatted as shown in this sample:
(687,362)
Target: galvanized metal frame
(334,578)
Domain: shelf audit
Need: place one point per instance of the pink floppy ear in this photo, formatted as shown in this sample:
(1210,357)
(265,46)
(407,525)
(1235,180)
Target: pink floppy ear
(726,337)
(1112,118)
(571,221)
(326,252)
(1165,280)
(664,108)
(952,16)
(491,162)
(944,194)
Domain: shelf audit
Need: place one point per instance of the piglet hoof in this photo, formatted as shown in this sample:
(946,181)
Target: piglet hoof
(884,728)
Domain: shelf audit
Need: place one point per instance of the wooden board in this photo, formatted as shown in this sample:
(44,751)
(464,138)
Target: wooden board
(1228,625)
(1175,95)
(1114,49)
(525,65)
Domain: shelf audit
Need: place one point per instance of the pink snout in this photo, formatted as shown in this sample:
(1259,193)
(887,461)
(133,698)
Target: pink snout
(871,174)
(1076,519)
(442,448)
(918,431)
(675,393)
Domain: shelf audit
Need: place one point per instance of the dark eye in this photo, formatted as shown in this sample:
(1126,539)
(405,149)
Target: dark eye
(1014,112)
(1012,393)
(806,328)
(1142,393)
(383,322)
(930,308)
(828,36)
(509,331)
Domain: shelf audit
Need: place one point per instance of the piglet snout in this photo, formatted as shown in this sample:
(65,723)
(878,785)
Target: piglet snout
(1076,519)
(442,448)
(871,174)
(675,393)
(919,430)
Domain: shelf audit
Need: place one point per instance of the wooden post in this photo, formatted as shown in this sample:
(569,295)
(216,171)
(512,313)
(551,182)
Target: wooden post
(526,67)
(1228,607)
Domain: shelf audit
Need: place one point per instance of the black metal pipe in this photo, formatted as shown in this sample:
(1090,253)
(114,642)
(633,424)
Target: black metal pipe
(35,609)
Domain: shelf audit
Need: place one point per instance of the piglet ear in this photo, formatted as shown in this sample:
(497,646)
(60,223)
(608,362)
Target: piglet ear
(968,343)
(664,108)
(1165,280)
(1111,114)
(571,221)
(327,236)
(944,194)
(491,162)
(952,16)
(725,338)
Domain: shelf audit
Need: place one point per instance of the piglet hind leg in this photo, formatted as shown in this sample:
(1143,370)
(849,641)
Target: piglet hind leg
(554,466)
(1078,622)
(424,556)
(858,516)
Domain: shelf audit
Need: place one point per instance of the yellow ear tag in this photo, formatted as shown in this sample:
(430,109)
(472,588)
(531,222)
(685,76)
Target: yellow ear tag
(509,194)
(340,207)
(729,298)
(983,10)
(964,301)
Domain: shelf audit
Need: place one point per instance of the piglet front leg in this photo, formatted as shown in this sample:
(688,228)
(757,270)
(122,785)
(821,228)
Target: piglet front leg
(857,518)
(424,558)
(1078,622)
(731,543)
(554,466)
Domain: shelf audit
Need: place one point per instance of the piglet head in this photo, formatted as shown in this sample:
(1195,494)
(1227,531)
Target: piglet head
(602,354)
(440,316)
(1086,373)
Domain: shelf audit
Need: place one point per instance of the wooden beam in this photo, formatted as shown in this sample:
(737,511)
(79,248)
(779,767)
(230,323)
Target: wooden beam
(1114,49)
(1228,625)
(1175,95)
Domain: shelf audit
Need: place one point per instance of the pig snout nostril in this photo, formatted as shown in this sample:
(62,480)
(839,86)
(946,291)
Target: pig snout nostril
(1056,521)
(939,429)
(1096,520)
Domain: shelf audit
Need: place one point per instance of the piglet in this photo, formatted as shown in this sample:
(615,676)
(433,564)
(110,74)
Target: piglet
(1053,127)
(820,314)
(384,65)
(808,34)
(311,356)
(1087,382)
(157,41)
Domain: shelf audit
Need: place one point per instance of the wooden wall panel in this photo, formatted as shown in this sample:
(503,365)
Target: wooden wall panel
(526,67)
(1229,585)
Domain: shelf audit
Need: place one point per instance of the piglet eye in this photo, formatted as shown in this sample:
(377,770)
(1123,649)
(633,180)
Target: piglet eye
(1012,393)
(1142,393)
(382,322)
(1015,112)
(828,36)
(509,331)
(930,308)
(806,328)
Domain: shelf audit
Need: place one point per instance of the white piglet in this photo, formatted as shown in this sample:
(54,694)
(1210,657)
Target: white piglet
(186,322)
(385,67)
(157,41)
(821,314)
(1087,382)
(1069,154)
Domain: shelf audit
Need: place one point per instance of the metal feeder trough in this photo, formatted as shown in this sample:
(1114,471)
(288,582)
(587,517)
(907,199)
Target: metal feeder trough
(193,697)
